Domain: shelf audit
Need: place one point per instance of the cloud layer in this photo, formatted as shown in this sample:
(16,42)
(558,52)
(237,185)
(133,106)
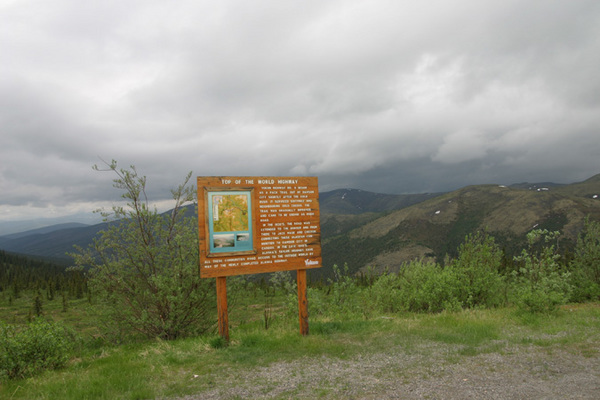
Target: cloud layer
(387,96)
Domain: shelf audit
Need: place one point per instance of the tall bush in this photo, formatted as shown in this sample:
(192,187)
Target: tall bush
(540,283)
(386,293)
(419,286)
(585,266)
(146,264)
(476,270)
(344,292)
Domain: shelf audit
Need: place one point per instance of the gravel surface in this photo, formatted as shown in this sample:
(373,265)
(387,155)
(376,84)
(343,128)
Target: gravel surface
(433,372)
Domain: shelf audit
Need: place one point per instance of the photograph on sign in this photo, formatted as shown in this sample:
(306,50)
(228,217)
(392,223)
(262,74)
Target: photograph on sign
(229,221)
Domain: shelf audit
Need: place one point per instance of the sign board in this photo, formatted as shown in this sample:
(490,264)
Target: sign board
(251,225)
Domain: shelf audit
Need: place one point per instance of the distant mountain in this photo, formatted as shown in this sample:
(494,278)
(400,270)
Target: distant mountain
(10,227)
(355,201)
(436,227)
(54,244)
(536,186)
(46,229)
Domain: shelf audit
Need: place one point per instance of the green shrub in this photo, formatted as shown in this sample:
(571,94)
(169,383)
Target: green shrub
(39,346)
(344,292)
(540,284)
(472,280)
(433,288)
(585,266)
(317,302)
(419,287)
(145,264)
(476,269)
(387,295)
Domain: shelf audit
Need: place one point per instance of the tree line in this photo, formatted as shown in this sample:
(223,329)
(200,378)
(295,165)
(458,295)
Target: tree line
(19,273)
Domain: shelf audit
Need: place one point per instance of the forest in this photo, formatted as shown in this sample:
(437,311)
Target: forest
(47,280)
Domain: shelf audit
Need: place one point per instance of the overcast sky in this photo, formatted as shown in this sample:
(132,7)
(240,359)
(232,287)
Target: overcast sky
(386,96)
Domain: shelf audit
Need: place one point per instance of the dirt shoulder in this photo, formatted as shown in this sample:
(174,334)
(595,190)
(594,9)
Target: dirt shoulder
(434,372)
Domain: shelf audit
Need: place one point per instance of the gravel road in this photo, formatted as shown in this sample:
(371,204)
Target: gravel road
(436,371)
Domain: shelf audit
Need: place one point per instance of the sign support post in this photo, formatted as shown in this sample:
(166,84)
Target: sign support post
(302,302)
(222,307)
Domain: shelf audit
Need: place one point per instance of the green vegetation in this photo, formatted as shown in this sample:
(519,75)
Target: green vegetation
(195,365)
(145,265)
(19,274)
(134,320)
(477,272)
(585,265)
(39,346)
(438,225)
(541,283)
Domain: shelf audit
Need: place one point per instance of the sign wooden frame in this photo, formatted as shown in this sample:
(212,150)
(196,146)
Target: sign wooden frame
(251,225)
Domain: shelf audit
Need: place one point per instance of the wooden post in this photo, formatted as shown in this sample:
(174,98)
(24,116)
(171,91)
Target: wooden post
(222,307)
(302,302)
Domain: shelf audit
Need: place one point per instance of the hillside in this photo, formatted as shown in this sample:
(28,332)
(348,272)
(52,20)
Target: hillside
(355,201)
(436,227)
(56,241)
(53,245)
(44,230)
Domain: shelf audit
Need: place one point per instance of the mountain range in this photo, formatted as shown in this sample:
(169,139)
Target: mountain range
(363,229)
(436,227)
(20,226)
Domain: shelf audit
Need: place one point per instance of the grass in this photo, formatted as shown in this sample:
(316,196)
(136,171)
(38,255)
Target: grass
(159,369)
(80,314)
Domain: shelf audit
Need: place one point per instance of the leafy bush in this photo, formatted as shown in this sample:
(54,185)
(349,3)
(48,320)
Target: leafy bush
(344,292)
(469,281)
(39,346)
(540,283)
(476,269)
(146,264)
(431,287)
(585,266)
(418,286)
(386,293)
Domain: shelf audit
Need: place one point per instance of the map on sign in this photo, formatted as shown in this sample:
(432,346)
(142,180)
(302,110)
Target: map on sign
(229,226)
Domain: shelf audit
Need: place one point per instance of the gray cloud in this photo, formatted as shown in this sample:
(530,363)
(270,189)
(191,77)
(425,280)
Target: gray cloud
(383,96)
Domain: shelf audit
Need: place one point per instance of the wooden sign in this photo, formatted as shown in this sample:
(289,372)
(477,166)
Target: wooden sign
(251,225)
